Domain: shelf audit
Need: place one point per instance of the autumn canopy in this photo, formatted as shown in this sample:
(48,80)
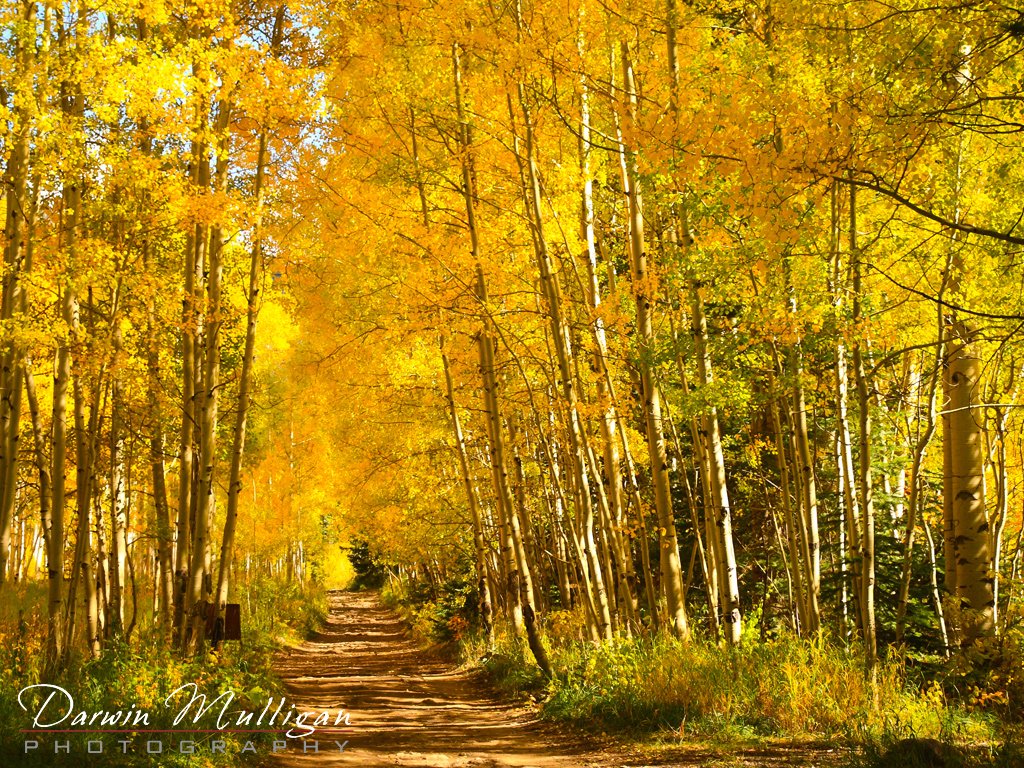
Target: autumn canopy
(696,318)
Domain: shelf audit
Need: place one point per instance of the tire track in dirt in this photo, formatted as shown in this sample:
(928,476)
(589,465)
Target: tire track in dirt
(407,706)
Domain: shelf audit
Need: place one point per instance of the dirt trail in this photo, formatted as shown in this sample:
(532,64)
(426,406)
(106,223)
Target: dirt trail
(408,707)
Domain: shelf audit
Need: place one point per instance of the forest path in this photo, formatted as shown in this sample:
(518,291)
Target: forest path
(409,707)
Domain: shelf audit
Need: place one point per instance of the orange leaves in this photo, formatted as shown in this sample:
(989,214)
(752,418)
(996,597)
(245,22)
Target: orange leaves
(208,208)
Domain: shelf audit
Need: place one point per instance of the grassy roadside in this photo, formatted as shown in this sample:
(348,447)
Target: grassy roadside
(786,694)
(143,672)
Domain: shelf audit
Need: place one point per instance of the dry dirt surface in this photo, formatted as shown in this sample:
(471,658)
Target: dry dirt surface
(410,707)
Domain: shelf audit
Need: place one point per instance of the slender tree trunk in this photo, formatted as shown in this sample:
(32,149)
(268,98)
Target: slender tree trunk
(165,535)
(86,440)
(850,531)
(611,477)
(16,233)
(809,505)
(244,397)
(728,577)
(199,576)
(523,616)
(194,256)
(519,592)
(671,569)
(164,586)
(940,613)
(119,505)
(564,359)
(864,481)
(1001,470)
(479,544)
(518,522)
(849,483)
(792,529)
(709,552)
(54,549)
(245,376)
(913,507)
(708,562)
(11,439)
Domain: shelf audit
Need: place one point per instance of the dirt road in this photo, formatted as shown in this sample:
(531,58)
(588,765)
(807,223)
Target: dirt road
(408,707)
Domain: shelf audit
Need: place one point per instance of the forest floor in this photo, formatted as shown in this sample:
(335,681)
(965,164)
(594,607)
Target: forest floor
(409,706)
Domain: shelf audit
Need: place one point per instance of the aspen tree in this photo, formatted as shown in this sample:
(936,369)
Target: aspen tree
(119,501)
(847,476)
(72,102)
(1001,513)
(671,569)
(967,487)
(16,232)
(865,490)
(164,593)
(199,575)
(54,551)
(725,553)
(564,358)
(523,615)
(59,422)
(245,375)
(165,535)
(708,547)
(792,529)
(696,466)
(809,495)
(195,250)
(520,524)
(968,534)
(87,433)
(519,590)
(484,345)
(611,474)
(479,545)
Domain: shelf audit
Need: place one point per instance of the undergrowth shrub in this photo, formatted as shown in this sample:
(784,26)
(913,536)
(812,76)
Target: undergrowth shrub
(144,672)
(281,611)
(444,613)
(783,687)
